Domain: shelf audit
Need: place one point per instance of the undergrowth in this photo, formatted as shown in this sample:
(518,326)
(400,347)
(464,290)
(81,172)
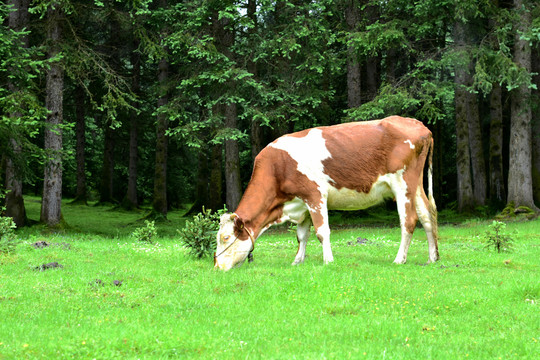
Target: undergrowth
(8,239)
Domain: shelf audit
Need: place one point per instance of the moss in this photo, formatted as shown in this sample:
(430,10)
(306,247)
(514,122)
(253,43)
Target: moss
(511,212)
(156,216)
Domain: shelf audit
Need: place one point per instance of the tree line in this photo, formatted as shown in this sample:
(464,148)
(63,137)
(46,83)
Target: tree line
(168,102)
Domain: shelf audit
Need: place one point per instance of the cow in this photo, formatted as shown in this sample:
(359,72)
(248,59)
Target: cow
(350,166)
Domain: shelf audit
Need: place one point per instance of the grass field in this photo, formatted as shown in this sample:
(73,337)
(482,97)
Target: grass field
(118,298)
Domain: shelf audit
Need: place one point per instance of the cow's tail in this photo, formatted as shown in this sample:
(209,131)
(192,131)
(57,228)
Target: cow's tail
(432,206)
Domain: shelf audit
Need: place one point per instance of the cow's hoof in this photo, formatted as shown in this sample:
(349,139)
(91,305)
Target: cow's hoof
(400,261)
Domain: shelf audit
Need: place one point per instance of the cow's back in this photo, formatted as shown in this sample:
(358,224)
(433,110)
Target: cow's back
(351,155)
(363,151)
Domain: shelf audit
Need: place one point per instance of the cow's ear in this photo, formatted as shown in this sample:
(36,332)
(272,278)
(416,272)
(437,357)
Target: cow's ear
(238,225)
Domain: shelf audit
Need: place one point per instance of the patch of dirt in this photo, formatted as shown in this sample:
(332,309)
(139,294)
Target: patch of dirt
(51,265)
(449,266)
(44,244)
(359,241)
(99,282)
(96,282)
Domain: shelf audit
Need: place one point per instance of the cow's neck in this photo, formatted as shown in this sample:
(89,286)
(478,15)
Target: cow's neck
(260,206)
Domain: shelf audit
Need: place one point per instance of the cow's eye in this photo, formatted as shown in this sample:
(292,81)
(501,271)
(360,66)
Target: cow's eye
(226,238)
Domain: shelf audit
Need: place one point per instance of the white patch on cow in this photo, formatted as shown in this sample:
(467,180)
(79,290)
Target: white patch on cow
(294,211)
(385,187)
(309,152)
(410,143)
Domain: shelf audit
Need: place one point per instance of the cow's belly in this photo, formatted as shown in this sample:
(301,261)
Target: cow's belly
(347,199)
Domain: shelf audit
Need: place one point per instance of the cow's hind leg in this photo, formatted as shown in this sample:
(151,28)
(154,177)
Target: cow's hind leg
(407,219)
(319,216)
(429,222)
(302,235)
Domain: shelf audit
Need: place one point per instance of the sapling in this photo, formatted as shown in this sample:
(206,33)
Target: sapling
(199,235)
(497,237)
(146,233)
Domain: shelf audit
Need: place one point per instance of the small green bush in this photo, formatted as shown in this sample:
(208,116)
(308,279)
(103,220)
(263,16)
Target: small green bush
(199,235)
(497,238)
(8,242)
(146,233)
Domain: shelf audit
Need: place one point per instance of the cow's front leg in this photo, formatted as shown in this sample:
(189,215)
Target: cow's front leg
(319,216)
(302,235)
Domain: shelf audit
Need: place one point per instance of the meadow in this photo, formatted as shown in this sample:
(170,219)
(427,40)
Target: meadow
(113,297)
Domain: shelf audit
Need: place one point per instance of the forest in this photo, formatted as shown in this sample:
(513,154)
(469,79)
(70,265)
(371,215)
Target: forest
(165,103)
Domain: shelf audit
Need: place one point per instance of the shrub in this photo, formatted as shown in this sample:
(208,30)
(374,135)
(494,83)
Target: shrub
(146,233)
(199,235)
(497,238)
(7,235)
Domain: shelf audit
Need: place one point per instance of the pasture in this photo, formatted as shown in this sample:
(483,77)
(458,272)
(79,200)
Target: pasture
(114,297)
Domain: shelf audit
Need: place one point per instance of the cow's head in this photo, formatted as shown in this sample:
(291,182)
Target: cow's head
(234,242)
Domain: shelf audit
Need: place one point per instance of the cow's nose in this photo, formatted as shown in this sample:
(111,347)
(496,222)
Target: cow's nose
(223,267)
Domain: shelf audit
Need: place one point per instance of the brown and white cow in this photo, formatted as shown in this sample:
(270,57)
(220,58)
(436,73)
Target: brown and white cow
(351,166)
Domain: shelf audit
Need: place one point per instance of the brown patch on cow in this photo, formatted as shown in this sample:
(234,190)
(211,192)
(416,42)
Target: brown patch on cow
(274,181)
(365,161)
(381,149)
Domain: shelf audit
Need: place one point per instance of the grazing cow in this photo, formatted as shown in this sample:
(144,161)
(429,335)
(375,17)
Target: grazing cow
(351,166)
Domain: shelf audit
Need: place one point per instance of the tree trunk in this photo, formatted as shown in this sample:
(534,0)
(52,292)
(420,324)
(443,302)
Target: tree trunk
(257,133)
(520,191)
(536,125)
(463,159)
(52,181)
(438,161)
(353,64)
(391,63)
(14,196)
(477,149)
(372,62)
(215,194)
(107,171)
(80,130)
(233,188)
(232,162)
(159,203)
(202,187)
(469,114)
(497,191)
(372,75)
(130,201)
(14,201)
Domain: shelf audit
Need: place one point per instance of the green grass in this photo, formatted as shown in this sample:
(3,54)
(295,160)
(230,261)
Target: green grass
(473,303)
